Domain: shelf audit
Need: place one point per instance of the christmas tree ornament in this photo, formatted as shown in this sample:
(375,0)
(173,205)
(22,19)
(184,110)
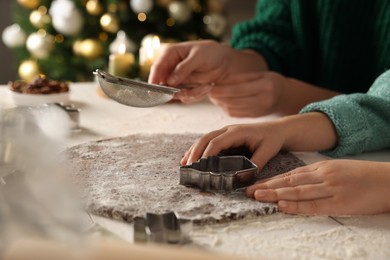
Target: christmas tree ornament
(77,47)
(13,36)
(215,24)
(29,4)
(123,6)
(141,6)
(67,19)
(59,38)
(90,49)
(121,41)
(112,8)
(103,36)
(142,17)
(28,70)
(170,22)
(40,44)
(180,11)
(39,18)
(94,7)
(109,22)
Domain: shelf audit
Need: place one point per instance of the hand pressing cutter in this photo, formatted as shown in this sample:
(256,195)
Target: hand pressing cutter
(219,173)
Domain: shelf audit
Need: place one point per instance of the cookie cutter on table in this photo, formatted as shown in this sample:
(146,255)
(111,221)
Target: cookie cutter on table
(219,173)
(165,228)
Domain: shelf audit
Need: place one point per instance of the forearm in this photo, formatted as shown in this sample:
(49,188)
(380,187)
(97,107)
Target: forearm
(299,94)
(307,132)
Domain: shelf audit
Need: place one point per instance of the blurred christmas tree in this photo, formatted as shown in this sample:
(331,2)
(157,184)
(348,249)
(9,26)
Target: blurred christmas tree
(68,39)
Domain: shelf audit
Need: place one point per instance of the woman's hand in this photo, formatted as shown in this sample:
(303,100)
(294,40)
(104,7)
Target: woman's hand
(334,187)
(195,62)
(242,95)
(263,139)
(250,94)
(202,64)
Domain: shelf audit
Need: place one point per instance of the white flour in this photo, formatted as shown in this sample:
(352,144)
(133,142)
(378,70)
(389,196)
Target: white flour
(266,237)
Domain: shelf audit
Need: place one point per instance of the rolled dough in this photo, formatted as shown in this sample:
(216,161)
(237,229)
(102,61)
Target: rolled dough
(125,177)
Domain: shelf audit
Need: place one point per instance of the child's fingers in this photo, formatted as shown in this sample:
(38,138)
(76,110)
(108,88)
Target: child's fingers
(310,207)
(224,141)
(263,153)
(184,160)
(200,146)
(297,193)
(290,179)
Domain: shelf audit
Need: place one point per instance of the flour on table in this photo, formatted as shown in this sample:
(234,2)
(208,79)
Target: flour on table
(317,237)
(125,177)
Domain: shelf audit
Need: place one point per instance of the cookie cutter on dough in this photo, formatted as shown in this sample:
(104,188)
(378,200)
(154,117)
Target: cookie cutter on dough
(219,173)
(162,228)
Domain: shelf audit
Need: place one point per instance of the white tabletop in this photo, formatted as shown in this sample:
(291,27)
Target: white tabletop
(277,236)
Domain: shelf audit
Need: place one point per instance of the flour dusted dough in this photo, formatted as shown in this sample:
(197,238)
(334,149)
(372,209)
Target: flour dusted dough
(125,177)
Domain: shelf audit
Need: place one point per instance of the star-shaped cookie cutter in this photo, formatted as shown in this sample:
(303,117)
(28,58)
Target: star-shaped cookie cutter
(219,173)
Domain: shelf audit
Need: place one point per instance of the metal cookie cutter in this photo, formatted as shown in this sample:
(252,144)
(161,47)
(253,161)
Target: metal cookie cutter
(162,228)
(219,173)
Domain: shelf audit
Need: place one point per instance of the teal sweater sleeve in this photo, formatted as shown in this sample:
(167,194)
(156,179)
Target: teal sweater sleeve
(362,121)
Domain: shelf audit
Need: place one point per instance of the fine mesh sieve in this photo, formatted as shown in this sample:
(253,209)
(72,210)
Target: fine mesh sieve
(132,92)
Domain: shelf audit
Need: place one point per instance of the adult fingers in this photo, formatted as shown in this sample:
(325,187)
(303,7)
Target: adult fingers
(243,107)
(184,68)
(206,77)
(165,63)
(194,94)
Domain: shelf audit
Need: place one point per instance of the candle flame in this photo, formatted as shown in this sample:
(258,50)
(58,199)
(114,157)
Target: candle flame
(121,48)
(156,42)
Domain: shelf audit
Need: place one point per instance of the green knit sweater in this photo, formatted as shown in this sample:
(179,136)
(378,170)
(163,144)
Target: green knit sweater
(341,45)
(362,121)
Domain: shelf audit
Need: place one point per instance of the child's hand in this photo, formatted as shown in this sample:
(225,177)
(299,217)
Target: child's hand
(334,187)
(263,139)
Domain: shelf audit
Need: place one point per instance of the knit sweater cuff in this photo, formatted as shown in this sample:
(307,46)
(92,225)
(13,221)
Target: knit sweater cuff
(353,135)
